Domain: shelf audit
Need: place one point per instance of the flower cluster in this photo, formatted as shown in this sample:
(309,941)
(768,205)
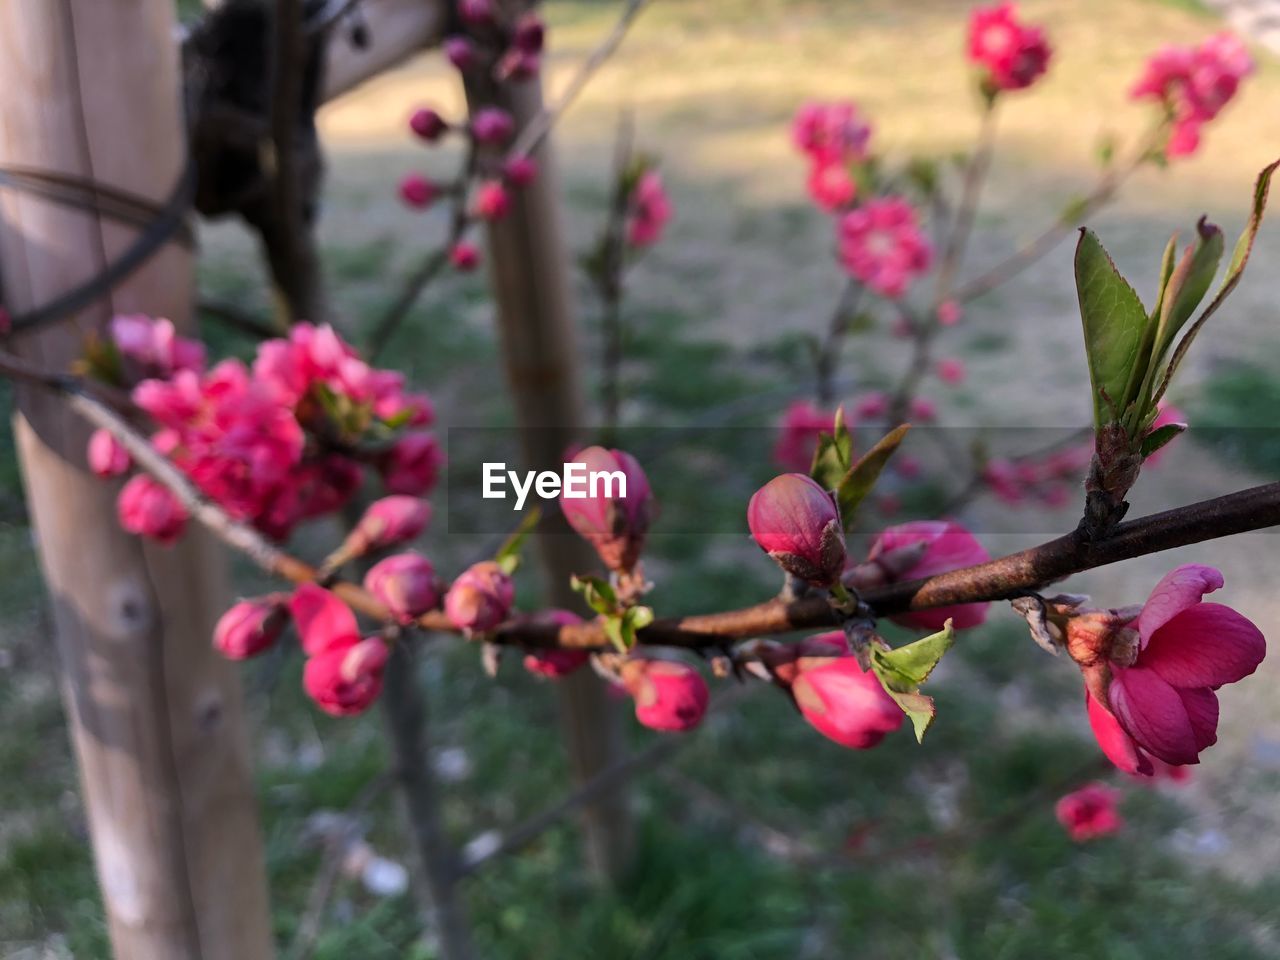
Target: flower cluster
(834,136)
(273,444)
(649,208)
(882,244)
(1011,55)
(1193,84)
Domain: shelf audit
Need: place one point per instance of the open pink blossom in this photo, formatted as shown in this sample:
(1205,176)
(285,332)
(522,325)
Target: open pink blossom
(556,663)
(797,524)
(147,508)
(107,455)
(948,546)
(649,208)
(1162,701)
(802,424)
(1090,812)
(881,243)
(480,598)
(843,702)
(250,627)
(668,695)
(831,133)
(614,524)
(405,584)
(151,347)
(1011,54)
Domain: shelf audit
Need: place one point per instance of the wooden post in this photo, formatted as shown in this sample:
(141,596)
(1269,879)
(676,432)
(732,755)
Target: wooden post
(90,88)
(529,268)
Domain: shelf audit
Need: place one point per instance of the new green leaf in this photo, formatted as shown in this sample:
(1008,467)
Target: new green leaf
(861,477)
(902,670)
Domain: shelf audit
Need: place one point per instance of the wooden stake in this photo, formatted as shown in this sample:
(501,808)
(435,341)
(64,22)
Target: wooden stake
(90,88)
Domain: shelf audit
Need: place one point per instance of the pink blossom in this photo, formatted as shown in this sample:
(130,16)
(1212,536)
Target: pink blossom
(845,703)
(1090,812)
(492,125)
(476,12)
(480,598)
(923,409)
(390,522)
(491,202)
(412,465)
(949,313)
(251,627)
(615,525)
(831,133)
(558,662)
(418,191)
(881,244)
(147,508)
(520,171)
(1011,54)
(951,370)
(949,547)
(1164,701)
(323,621)
(802,423)
(405,584)
(871,406)
(648,210)
(107,455)
(668,695)
(151,347)
(460,52)
(797,523)
(345,680)
(428,124)
(464,256)
(831,186)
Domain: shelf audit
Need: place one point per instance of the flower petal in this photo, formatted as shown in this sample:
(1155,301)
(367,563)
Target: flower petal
(1153,713)
(1202,709)
(1118,746)
(1180,588)
(323,621)
(1206,645)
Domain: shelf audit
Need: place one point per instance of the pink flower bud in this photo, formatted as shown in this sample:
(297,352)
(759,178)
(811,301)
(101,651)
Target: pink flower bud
(520,171)
(949,313)
(612,523)
(845,703)
(785,661)
(412,465)
(556,663)
(871,406)
(1089,813)
(148,508)
(460,52)
(428,124)
(492,202)
(951,370)
(389,522)
(948,546)
(480,598)
(107,455)
(476,12)
(417,191)
(405,584)
(250,627)
(668,695)
(346,679)
(464,256)
(323,621)
(492,125)
(530,34)
(516,64)
(924,410)
(796,522)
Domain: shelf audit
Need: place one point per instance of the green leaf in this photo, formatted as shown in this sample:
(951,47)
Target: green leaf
(632,620)
(1188,285)
(1158,437)
(1235,270)
(903,669)
(597,593)
(861,477)
(832,459)
(508,555)
(1115,326)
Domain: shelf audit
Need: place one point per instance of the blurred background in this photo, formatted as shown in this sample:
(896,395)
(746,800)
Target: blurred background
(759,839)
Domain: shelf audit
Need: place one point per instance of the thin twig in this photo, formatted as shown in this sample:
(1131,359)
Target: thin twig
(611,279)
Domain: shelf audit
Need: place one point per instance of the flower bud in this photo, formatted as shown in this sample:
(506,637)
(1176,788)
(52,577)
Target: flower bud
(520,171)
(251,627)
(492,125)
(785,661)
(389,522)
(464,257)
(148,508)
(476,12)
(951,370)
(530,34)
(428,124)
(405,584)
(492,202)
(668,695)
(845,703)
(555,663)
(345,680)
(417,191)
(460,52)
(612,523)
(107,455)
(947,546)
(1089,812)
(796,522)
(480,598)
(949,313)
(412,465)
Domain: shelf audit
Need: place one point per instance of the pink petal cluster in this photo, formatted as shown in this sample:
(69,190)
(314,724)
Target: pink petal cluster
(557,663)
(152,348)
(1011,54)
(146,508)
(944,546)
(251,627)
(492,201)
(669,696)
(882,245)
(834,136)
(1194,83)
(1162,701)
(1050,480)
(802,423)
(1090,812)
(649,209)
(615,525)
(480,598)
(405,584)
(343,672)
(107,456)
(412,464)
(797,524)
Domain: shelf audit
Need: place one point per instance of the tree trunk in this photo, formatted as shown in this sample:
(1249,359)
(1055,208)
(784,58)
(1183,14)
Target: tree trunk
(529,268)
(90,88)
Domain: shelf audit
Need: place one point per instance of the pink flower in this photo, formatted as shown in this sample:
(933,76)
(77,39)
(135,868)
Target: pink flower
(881,244)
(345,680)
(530,34)
(614,524)
(405,584)
(1162,700)
(492,125)
(492,202)
(428,124)
(412,465)
(147,508)
(107,455)
(831,186)
(151,347)
(251,627)
(949,313)
(871,406)
(845,703)
(323,621)
(418,191)
(556,663)
(390,522)
(831,132)
(1011,54)
(520,171)
(517,64)
(951,370)
(464,257)
(1089,813)
(923,409)
(801,425)
(476,12)
(480,598)
(949,546)
(648,210)
(460,52)
(796,522)
(669,696)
